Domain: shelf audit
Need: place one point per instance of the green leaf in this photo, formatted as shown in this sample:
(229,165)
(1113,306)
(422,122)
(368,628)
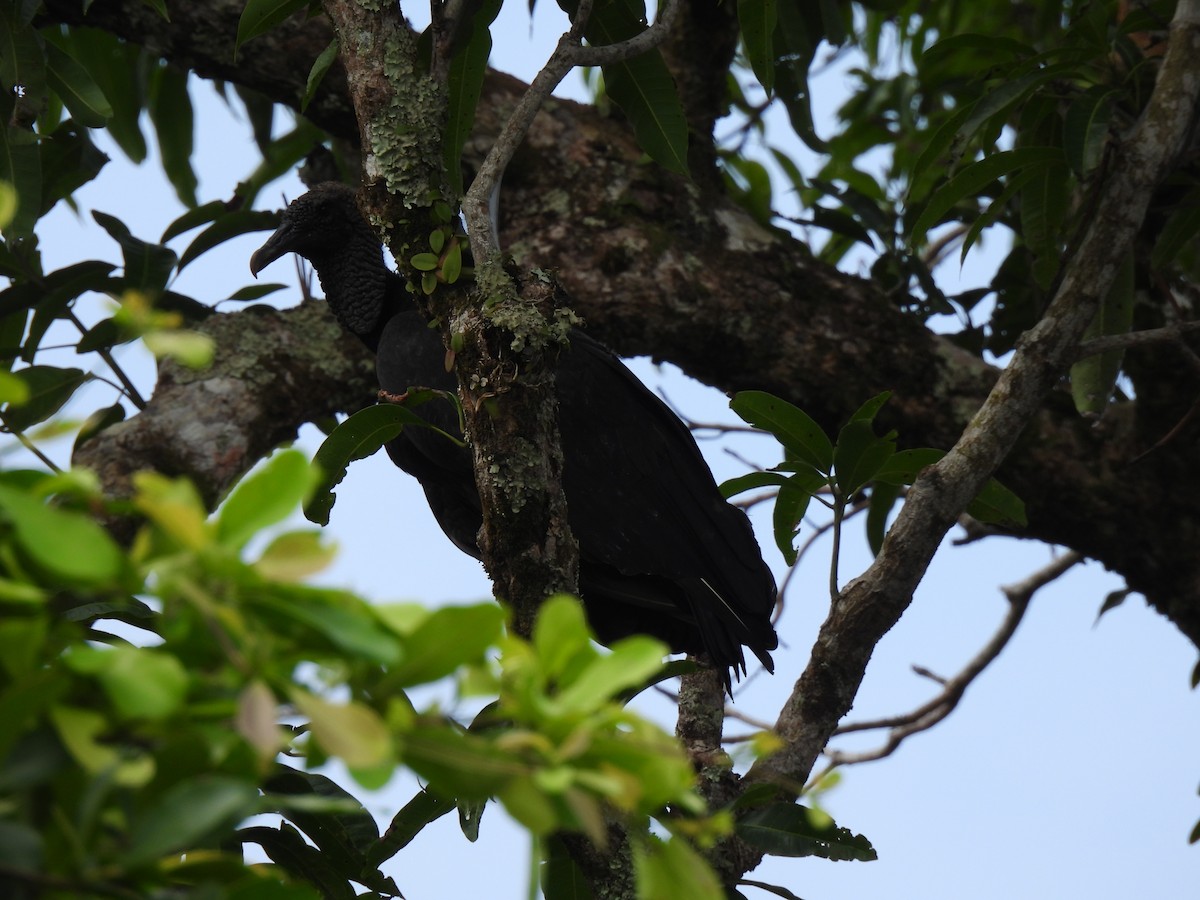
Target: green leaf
(452,264)
(632,661)
(1180,230)
(560,877)
(448,638)
(418,812)
(357,437)
(645,91)
(868,411)
(75,87)
(799,434)
(750,481)
(997,505)
(81,731)
(904,467)
(798,32)
(331,817)
(790,829)
(460,764)
(641,86)
(560,633)
(118,68)
(255,292)
(142,683)
(170,109)
(43,531)
(188,813)
(264,497)
(974,178)
(1094,377)
(295,556)
(883,498)
(673,869)
(757,20)
(465,83)
(1085,128)
(424,262)
(13,391)
(790,507)
(1044,205)
(22,58)
(260,16)
(20,166)
(147,266)
(317,73)
(174,506)
(291,853)
(200,215)
(351,731)
(47,389)
(859,455)
(341,619)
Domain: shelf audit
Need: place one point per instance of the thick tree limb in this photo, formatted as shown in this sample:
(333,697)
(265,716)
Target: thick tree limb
(657,267)
(872,603)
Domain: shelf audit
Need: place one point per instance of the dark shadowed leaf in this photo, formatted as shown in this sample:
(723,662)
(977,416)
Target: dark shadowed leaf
(260,16)
(49,388)
(287,849)
(859,454)
(757,21)
(467,70)
(1094,377)
(147,266)
(228,226)
(561,878)
(997,505)
(188,813)
(357,437)
(974,178)
(790,829)
(75,87)
(317,73)
(883,498)
(418,812)
(170,109)
(799,434)
(194,218)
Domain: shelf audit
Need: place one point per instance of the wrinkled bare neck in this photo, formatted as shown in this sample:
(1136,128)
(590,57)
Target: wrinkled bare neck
(356,284)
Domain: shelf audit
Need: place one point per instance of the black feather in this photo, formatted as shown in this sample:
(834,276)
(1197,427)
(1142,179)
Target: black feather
(661,552)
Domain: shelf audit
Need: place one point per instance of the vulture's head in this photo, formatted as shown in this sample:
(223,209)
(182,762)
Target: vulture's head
(319,225)
(326,228)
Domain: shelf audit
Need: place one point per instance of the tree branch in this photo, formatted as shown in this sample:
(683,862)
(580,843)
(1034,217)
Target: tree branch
(930,713)
(872,603)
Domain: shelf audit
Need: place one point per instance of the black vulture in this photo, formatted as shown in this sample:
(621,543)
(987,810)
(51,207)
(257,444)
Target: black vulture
(661,552)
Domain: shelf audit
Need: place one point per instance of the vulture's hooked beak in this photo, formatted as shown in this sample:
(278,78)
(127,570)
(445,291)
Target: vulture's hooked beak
(277,245)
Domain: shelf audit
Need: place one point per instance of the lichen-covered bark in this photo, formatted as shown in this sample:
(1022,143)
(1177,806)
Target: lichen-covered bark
(272,371)
(656,267)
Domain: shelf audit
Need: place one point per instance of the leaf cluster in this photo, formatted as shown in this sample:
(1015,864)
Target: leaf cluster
(816,467)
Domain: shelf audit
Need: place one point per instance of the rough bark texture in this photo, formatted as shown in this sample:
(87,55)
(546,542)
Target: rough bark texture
(669,268)
(656,266)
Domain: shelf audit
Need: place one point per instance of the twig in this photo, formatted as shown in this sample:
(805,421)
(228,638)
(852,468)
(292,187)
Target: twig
(1172,333)
(929,714)
(106,355)
(479,205)
(871,604)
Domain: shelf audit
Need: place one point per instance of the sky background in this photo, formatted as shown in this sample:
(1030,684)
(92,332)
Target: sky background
(1070,769)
